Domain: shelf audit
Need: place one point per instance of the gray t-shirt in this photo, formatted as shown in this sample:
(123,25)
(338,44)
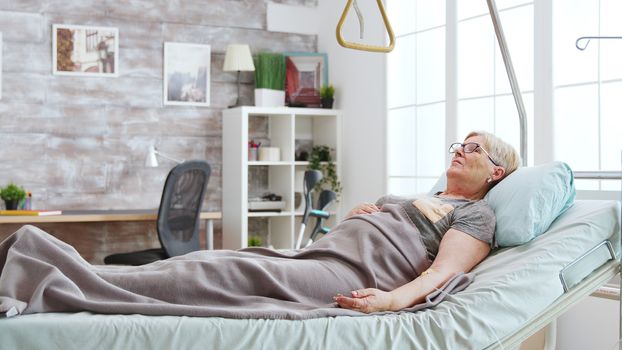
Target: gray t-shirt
(434,216)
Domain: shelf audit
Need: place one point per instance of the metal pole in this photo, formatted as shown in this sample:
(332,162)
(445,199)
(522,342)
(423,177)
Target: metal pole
(209,234)
(237,100)
(518,99)
(597,175)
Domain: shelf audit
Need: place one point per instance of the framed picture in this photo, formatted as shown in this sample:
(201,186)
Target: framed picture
(85,50)
(186,74)
(305,73)
(0,66)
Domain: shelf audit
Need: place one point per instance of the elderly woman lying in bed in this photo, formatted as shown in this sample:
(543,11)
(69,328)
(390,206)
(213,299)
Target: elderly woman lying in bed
(386,256)
(456,226)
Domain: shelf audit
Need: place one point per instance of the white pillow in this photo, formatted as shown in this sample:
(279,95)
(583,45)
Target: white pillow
(527,201)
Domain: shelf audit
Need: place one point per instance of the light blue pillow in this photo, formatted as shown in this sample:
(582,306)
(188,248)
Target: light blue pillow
(527,201)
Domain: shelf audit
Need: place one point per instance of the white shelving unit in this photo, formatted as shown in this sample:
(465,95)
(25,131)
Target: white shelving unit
(285,126)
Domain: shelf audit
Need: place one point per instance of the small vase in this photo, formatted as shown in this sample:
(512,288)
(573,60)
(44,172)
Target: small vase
(327,103)
(269,98)
(11,205)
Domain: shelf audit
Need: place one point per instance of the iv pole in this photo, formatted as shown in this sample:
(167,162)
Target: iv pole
(518,99)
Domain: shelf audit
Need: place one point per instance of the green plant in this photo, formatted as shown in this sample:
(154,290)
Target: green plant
(270,71)
(12,193)
(320,159)
(255,241)
(327,91)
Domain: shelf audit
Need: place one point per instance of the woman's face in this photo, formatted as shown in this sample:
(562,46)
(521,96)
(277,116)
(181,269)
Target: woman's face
(471,169)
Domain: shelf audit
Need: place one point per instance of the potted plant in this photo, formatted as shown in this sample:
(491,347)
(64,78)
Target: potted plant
(255,241)
(12,195)
(269,79)
(321,159)
(327,96)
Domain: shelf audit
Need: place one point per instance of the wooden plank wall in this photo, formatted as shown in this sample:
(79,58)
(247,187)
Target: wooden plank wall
(80,142)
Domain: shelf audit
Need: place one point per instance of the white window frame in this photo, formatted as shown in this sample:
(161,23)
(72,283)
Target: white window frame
(543,89)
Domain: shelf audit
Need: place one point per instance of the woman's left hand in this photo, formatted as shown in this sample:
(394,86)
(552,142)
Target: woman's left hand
(366,300)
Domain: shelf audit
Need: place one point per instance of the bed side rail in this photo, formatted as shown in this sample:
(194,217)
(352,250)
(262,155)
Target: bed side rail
(559,306)
(608,175)
(584,265)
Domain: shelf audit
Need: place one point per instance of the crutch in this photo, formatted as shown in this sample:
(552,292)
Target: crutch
(312,177)
(327,197)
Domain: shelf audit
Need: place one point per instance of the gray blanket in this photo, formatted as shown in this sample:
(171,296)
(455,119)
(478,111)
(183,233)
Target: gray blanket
(39,273)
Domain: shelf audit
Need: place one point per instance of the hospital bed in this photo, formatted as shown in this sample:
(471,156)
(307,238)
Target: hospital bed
(516,291)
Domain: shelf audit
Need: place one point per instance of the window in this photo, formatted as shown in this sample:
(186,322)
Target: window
(587,88)
(416,96)
(582,108)
(485,100)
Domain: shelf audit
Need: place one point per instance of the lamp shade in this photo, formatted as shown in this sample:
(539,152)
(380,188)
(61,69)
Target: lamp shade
(238,58)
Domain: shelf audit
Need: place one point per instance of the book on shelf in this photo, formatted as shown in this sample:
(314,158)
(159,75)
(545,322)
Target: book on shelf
(30,212)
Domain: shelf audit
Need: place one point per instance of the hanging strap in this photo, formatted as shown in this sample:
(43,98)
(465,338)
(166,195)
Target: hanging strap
(365,47)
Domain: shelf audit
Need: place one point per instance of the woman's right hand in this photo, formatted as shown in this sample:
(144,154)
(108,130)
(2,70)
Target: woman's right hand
(364,208)
(366,300)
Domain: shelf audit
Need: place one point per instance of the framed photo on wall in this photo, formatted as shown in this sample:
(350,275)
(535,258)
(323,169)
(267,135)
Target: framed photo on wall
(186,74)
(305,73)
(0,65)
(85,50)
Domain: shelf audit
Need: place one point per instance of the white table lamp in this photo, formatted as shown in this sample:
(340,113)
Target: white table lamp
(151,161)
(238,58)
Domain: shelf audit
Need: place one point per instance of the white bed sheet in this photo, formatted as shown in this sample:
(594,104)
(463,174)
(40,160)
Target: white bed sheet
(511,287)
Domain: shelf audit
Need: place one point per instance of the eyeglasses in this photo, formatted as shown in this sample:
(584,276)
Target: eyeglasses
(469,148)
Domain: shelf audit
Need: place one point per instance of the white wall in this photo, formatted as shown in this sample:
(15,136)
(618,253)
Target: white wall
(359,80)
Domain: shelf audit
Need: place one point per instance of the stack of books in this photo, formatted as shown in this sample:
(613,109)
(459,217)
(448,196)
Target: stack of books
(30,212)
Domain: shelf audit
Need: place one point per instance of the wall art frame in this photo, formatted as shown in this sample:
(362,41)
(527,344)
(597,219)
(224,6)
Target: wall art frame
(1,68)
(186,76)
(305,74)
(85,50)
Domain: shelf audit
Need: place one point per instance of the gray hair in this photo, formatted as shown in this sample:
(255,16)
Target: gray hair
(502,152)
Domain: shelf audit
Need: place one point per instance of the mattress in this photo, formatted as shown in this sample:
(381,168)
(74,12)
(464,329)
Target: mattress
(511,287)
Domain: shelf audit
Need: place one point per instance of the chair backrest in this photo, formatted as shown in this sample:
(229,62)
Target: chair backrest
(180,207)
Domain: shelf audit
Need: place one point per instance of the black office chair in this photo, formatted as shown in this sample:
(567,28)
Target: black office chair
(178,216)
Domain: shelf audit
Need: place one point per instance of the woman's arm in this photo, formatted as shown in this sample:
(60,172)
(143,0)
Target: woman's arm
(458,252)
(363,208)
(370,208)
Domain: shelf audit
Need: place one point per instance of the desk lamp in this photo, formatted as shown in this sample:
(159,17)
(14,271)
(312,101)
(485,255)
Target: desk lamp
(238,58)
(152,161)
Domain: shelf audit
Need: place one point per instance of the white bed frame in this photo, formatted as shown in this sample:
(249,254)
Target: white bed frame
(599,272)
